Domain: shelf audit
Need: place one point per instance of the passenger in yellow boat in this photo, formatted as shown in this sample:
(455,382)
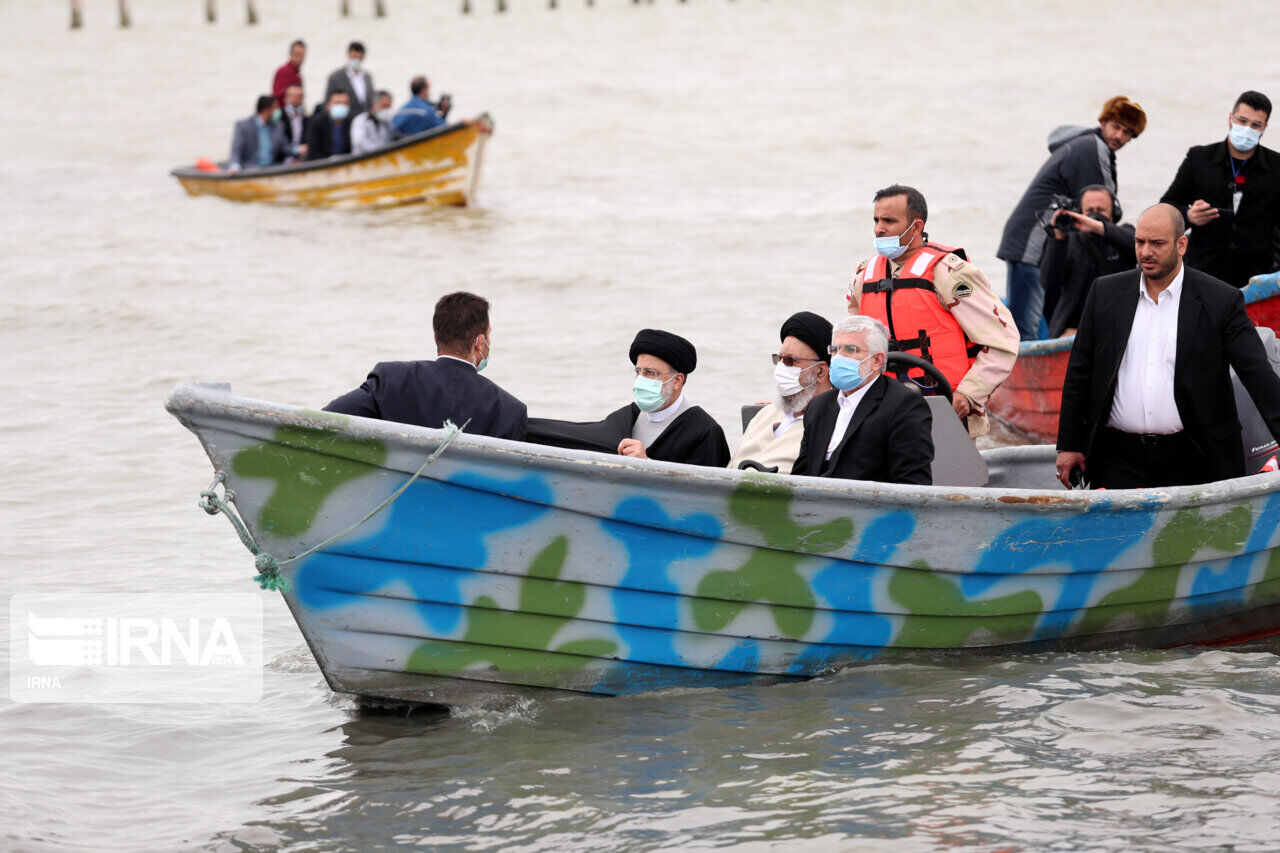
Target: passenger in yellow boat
(257,141)
(354,80)
(294,122)
(870,427)
(289,74)
(800,373)
(428,393)
(1148,399)
(330,131)
(372,130)
(418,113)
(662,423)
(935,304)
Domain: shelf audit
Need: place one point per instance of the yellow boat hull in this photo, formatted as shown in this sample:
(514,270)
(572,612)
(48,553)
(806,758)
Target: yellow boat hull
(438,167)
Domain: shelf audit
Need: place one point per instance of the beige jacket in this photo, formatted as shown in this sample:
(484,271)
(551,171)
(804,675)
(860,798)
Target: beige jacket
(759,444)
(965,292)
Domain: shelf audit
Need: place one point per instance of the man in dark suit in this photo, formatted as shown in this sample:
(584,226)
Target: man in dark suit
(870,427)
(1230,193)
(294,121)
(329,131)
(428,393)
(1148,399)
(354,80)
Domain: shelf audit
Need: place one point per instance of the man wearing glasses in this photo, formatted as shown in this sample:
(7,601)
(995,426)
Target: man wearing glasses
(801,365)
(662,423)
(1229,192)
(870,427)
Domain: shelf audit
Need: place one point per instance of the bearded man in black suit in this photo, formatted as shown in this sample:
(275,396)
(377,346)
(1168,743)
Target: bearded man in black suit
(1148,399)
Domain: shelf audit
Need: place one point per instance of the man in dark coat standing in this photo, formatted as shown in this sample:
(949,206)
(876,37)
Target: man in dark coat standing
(354,80)
(428,393)
(1148,399)
(1085,246)
(870,427)
(1079,158)
(1230,193)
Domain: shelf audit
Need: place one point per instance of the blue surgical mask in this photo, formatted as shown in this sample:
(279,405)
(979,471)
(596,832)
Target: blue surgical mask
(484,362)
(648,394)
(277,115)
(891,247)
(846,373)
(1243,138)
(339,111)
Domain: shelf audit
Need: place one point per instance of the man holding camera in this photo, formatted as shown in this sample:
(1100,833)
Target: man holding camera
(1080,157)
(1229,192)
(1087,243)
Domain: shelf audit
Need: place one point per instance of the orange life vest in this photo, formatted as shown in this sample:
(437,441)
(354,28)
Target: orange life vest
(909,308)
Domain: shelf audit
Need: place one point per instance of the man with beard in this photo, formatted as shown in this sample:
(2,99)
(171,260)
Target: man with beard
(801,373)
(1148,400)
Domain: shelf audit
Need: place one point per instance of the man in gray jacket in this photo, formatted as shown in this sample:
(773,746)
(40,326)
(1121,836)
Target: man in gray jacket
(1080,157)
(258,142)
(353,79)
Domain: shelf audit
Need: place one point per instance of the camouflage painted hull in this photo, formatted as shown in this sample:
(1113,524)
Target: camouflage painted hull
(437,167)
(509,567)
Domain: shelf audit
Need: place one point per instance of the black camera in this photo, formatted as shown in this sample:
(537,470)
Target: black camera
(1056,203)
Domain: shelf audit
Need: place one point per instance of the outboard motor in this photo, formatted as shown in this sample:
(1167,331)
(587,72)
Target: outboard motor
(1259,446)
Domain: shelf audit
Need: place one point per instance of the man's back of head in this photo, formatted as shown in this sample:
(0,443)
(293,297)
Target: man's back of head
(460,318)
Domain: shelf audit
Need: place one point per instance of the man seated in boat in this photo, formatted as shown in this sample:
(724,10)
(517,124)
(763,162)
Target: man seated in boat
(801,369)
(371,131)
(329,133)
(257,141)
(870,427)
(1148,399)
(418,114)
(428,393)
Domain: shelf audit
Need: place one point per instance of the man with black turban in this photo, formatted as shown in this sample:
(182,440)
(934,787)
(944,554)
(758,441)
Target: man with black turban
(661,423)
(801,368)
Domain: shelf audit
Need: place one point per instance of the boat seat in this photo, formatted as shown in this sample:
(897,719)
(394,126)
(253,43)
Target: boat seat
(1259,445)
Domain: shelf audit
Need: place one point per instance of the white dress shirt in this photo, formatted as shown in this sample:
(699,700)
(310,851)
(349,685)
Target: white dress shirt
(1144,386)
(847,404)
(788,421)
(360,85)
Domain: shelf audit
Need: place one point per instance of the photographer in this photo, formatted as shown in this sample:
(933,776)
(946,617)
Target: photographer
(1084,245)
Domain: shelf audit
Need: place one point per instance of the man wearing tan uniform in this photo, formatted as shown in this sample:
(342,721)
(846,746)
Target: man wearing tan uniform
(801,368)
(935,304)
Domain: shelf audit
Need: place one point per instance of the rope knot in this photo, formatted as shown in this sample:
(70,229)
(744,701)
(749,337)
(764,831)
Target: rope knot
(269,576)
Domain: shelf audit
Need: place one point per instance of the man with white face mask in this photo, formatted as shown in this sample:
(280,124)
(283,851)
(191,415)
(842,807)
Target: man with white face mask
(371,131)
(1229,192)
(935,304)
(353,79)
(870,427)
(800,373)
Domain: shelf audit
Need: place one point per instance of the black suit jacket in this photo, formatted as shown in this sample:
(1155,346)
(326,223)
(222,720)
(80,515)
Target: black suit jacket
(427,393)
(1214,333)
(1231,248)
(889,438)
(320,135)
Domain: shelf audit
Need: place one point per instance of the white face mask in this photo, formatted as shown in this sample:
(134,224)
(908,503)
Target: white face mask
(788,379)
(354,65)
(386,114)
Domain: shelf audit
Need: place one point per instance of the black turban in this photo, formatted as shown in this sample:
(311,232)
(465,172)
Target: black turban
(809,329)
(672,349)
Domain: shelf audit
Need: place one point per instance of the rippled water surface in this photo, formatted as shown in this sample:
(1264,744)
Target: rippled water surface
(706,167)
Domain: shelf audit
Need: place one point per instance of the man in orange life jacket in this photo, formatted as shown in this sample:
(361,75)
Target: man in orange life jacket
(935,304)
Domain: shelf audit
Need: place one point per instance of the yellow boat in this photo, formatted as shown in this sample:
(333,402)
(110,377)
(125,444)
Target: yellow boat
(437,167)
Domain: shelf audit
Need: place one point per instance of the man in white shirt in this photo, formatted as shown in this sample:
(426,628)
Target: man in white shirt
(801,364)
(870,427)
(371,131)
(1148,400)
(353,79)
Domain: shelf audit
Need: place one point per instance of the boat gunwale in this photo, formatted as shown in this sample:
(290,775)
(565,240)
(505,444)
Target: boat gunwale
(189,400)
(191,172)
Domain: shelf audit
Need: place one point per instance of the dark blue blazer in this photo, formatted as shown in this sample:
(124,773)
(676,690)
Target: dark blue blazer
(428,393)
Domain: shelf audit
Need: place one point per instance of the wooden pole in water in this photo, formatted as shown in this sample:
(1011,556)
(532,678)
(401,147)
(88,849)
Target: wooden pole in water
(211,11)
(379,10)
(77,14)
(124,14)
(251,12)
(346,9)
(502,5)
